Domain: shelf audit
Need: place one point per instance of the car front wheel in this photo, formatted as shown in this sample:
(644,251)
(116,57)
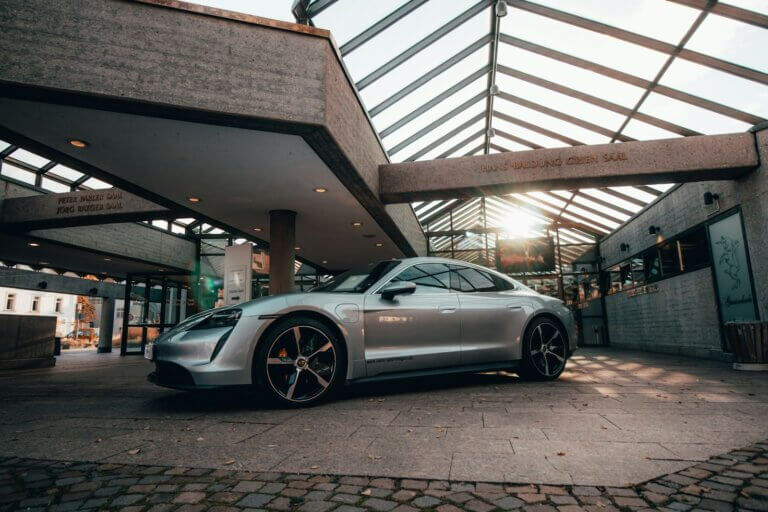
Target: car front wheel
(299,362)
(545,350)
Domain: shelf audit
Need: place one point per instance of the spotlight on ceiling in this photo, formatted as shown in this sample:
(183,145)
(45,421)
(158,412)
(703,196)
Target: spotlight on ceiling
(320,190)
(357,224)
(33,244)
(654,230)
(710,198)
(379,244)
(297,248)
(257,229)
(624,247)
(78,143)
(501,8)
(193,199)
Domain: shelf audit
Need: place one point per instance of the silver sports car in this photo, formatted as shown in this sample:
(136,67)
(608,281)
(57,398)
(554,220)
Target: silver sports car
(393,319)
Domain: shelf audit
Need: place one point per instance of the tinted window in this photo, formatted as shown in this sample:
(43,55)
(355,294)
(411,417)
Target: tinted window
(652,264)
(472,280)
(431,275)
(357,280)
(693,250)
(668,256)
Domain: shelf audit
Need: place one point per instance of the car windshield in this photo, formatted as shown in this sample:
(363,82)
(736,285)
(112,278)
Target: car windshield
(357,280)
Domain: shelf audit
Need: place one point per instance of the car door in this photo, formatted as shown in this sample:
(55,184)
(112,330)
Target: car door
(417,331)
(492,316)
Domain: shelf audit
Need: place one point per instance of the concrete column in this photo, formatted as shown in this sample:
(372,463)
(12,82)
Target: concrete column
(106,324)
(282,240)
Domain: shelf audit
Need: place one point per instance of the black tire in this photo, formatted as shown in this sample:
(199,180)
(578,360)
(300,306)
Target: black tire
(545,350)
(299,373)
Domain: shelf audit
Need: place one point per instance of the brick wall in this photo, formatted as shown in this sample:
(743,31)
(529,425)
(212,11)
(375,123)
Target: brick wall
(682,316)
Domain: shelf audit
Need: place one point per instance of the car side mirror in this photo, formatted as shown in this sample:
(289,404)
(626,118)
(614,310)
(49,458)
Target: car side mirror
(397,288)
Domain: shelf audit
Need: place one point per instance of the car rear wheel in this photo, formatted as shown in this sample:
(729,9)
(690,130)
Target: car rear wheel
(299,363)
(545,350)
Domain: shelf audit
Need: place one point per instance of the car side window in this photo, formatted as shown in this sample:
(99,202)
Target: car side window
(428,277)
(465,279)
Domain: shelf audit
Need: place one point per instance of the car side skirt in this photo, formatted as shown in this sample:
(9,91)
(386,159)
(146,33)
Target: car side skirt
(469,368)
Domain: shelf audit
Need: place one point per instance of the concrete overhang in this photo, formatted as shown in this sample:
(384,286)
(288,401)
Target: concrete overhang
(680,160)
(178,100)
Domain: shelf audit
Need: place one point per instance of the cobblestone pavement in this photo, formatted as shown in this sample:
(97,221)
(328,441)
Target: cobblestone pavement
(735,480)
(614,418)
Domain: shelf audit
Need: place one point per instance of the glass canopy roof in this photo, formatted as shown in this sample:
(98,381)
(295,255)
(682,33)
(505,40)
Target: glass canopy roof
(448,78)
(467,77)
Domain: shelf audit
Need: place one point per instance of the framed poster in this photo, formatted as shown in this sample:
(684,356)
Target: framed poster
(525,255)
(730,264)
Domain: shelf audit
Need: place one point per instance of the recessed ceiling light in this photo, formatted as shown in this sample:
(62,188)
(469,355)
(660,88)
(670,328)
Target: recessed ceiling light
(33,244)
(320,190)
(44,263)
(356,224)
(107,259)
(193,199)
(297,248)
(324,262)
(257,229)
(379,244)
(78,143)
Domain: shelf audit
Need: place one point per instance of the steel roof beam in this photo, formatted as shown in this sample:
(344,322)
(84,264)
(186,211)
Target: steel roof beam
(560,115)
(434,101)
(729,11)
(318,6)
(464,142)
(424,43)
(429,75)
(519,140)
(381,25)
(604,204)
(431,126)
(537,129)
(623,196)
(631,79)
(675,53)
(463,126)
(493,59)
(475,150)
(641,40)
(599,102)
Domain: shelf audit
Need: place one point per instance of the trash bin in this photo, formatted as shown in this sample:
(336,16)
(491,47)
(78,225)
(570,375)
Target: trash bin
(749,341)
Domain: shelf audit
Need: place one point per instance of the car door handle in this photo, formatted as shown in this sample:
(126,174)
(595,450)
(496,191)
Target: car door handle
(514,308)
(447,309)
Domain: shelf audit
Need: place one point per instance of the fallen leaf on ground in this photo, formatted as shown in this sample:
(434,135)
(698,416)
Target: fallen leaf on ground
(561,454)
(200,439)
(228,462)
(134,451)
(313,467)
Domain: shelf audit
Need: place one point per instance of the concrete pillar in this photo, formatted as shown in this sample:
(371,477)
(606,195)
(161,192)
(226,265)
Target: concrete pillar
(282,240)
(106,324)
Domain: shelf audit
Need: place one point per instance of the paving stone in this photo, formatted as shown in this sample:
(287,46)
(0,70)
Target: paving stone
(327,486)
(221,508)
(130,499)
(478,506)
(719,506)
(379,504)
(349,508)
(293,493)
(726,480)
(623,501)
(459,497)
(301,484)
(272,488)
(383,483)
(680,479)
(404,508)
(226,497)
(413,484)
(751,504)
(447,507)
(255,500)
(316,496)
(191,508)
(404,495)
(532,498)
(349,489)
(280,503)
(426,502)
(316,506)
(586,491)
(552,490)
(376,492)
(539,508)
(563,500)
(509,503)
(349,499)
(660,489)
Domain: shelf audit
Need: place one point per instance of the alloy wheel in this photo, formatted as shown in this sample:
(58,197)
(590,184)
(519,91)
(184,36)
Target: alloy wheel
(547,349)
(301,363)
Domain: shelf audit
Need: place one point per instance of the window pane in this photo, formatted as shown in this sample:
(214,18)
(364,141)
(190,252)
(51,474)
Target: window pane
(693,250)
(433,276)
(670,263)
(65,172)
(733,41)
(29,158)
(96,184)
(54,186)
(690,116)
(478,281)
(652,264)
(17,173)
